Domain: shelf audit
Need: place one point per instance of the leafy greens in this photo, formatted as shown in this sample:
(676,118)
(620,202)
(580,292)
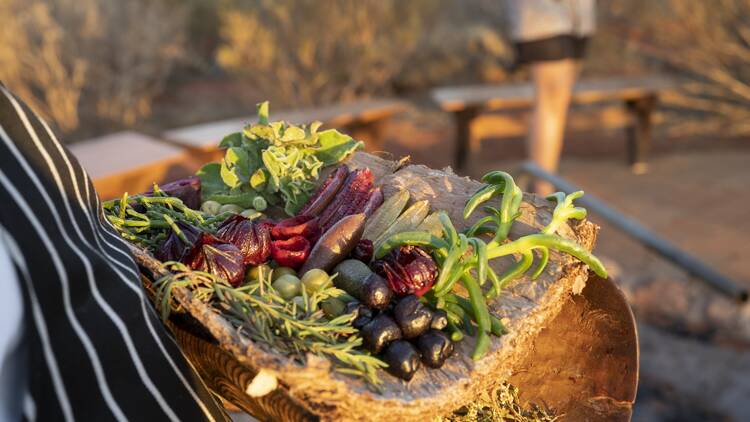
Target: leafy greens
(274,160)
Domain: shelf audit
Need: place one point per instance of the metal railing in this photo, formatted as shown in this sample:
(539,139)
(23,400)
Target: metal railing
(634,229)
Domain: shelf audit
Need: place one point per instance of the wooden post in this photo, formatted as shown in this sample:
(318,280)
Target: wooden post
(463,136)
(639,131)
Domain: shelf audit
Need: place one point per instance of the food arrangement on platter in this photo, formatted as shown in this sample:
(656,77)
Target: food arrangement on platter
(310,256)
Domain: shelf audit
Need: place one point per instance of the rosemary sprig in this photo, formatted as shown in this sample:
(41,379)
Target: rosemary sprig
(258,311)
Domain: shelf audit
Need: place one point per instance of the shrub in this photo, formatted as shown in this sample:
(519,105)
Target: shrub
(707,44)
(32,63)
(313,52)
(111,57)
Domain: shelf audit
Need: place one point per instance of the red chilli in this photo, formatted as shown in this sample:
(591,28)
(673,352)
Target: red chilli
(292,252)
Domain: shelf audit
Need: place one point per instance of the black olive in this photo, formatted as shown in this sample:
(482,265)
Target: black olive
(360,321)
(402,359)
(439,319)
(412,316)
(376,293)
(352,308)
(358,309)
(435,347)
(379,332)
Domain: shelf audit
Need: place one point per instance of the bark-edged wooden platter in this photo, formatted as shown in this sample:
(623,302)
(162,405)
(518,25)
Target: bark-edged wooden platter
(526,307)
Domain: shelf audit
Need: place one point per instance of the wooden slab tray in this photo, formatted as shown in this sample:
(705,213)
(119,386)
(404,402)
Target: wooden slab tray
(314,392)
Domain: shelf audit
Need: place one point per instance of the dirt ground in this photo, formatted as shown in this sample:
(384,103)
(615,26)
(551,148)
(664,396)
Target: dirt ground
(694,341)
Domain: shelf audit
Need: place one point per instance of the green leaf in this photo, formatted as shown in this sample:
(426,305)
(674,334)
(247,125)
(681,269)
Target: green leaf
(293,133)
(263,113)
(235,167)
(233,140)
(211,181)
(257,132)
(258,179)
(335,146)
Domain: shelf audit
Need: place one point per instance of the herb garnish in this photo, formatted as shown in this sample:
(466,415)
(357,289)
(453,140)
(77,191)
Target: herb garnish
(261,314)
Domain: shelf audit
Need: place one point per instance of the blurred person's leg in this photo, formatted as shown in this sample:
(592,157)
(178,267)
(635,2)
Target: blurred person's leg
(553,85)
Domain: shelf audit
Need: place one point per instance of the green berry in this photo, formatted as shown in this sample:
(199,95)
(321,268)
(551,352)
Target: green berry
(315,280)
(288,286)
(210,207)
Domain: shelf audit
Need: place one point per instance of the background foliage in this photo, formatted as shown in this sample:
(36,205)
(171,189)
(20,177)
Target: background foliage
(101,64)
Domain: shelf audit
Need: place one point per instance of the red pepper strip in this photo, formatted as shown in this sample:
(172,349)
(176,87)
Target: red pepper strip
(292,252)
(303,225)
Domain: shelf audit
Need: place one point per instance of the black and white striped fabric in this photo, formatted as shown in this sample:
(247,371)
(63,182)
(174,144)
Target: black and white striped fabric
(96,349)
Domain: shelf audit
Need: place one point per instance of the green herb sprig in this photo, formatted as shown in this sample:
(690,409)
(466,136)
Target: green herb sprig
(261,314)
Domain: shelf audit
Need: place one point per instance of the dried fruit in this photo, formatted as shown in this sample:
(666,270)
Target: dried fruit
(439,319)
(412,317)
(379,332)
(252,239)
(435,347)
(217,257)
(409,270)
(402,359)
(375,293)
(363,251)
(291,252)
(175,246)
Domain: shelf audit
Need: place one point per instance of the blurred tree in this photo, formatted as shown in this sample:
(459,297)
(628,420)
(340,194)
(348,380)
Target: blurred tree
(316,52)
(65,56)
(31,63)
(705,42)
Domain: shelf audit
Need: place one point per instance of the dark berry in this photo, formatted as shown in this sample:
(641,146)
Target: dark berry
(412,316)
(435,347)
(402,359)
(439,319)
(379,332)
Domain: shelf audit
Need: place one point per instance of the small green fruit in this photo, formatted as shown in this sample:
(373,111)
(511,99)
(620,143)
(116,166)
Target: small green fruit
(210,207)
(233,208)
(315,280)
(282,271)
(333,307)
(259,203)
(250,214)
(300,301)
(288,286)
(257,272)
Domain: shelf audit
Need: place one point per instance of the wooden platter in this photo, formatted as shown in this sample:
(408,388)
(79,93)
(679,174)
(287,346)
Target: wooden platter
(311,391)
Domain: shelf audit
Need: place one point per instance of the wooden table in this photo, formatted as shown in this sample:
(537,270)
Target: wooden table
(638,95)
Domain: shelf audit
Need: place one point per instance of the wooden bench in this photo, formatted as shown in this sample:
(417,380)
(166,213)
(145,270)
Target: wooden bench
(638,95)
(364,120)
(131,162)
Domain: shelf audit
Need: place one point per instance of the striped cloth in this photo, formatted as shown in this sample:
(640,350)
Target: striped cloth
(96,348)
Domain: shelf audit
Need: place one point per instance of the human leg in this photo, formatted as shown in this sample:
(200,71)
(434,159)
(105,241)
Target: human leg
(553,85)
